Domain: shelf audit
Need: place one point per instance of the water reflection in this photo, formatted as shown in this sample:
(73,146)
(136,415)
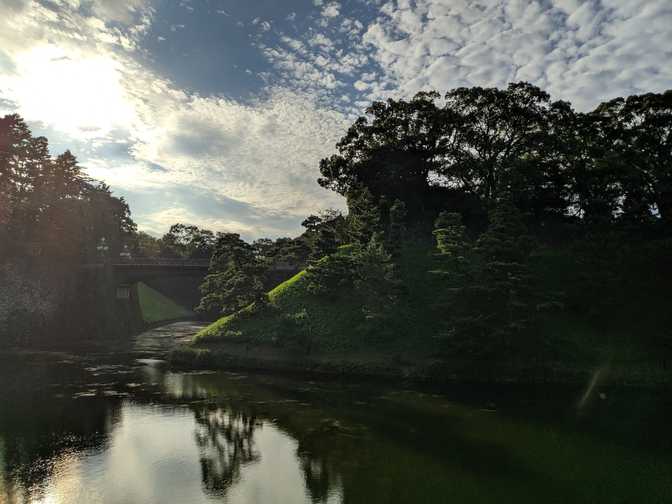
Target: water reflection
(39,439)
(135,433)
(76,442)
(43,429)
(226,444)
(319,477)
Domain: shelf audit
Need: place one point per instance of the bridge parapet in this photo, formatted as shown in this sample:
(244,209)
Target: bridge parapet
(164,262)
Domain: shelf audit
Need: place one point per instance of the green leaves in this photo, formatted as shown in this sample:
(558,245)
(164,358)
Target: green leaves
(235,279)
(486,294)
(366,272)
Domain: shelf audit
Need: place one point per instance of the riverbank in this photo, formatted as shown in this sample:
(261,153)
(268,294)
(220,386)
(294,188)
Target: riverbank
(418,369)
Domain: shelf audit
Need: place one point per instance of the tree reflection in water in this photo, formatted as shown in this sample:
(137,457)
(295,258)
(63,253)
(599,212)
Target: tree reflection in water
(226,444)
(317,475)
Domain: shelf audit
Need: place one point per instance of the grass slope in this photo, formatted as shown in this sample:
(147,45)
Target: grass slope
(156,307)
(335,322)
(269,325)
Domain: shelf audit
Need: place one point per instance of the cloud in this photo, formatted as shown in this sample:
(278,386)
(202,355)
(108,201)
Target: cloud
(582,51)
(211,212)
(158,222)
(331,10)
(140,133)
(264,154)
(125,12)
(78,71)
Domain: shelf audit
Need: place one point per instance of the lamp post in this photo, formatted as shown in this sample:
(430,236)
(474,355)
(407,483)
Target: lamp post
(125,255)
(102,248)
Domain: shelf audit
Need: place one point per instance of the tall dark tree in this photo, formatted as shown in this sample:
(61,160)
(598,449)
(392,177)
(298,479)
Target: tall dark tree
(52,218)
(497,131)
(376,280)
(48,204)
(392,151)
(450,235)
(640,136)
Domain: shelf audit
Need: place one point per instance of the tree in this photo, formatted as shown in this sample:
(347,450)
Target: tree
(363,272)
(324,233)
(454,274)
(392,151)
(640,136)
(188,241)
(235,278)
(489,302)
(52,217)
(330,275)
(294,251)
(397,227)
(375,280)
(497,132)
(298,328)
(145,245)
(449,233)
(47,201)
(364,216)
(106,217)
(503,288)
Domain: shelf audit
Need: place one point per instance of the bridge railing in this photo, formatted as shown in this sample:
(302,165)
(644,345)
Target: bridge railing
(162,261)
(139,262)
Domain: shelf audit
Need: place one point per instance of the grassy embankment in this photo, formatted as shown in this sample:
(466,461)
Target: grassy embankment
(155,307)
(301,331)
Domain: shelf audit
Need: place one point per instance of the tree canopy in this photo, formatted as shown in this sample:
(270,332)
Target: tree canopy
(48,206)
(612,163)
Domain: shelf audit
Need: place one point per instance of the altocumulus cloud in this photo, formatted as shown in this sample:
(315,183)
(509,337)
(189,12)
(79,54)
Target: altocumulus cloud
(78,70)
(581,50)
(78,77)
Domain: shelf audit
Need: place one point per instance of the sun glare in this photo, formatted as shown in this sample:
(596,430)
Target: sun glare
(81,95)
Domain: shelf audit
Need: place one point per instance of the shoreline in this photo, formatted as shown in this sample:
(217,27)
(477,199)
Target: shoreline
(388,368)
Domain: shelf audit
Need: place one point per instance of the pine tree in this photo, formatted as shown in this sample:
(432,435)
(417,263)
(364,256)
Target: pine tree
(235,279)
(449,233)
(487,300)
(324,233)
(397,227)
(376,279)
(454,260)
(364,216)
(502,289)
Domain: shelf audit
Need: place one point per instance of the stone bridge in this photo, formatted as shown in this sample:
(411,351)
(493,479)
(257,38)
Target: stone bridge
(149,291)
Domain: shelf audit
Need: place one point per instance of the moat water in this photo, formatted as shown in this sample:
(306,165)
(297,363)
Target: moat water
(120,428)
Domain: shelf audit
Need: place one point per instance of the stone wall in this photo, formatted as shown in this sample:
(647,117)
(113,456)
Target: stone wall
(28,302)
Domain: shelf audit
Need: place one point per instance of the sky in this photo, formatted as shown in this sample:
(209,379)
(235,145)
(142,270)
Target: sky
(217,112)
